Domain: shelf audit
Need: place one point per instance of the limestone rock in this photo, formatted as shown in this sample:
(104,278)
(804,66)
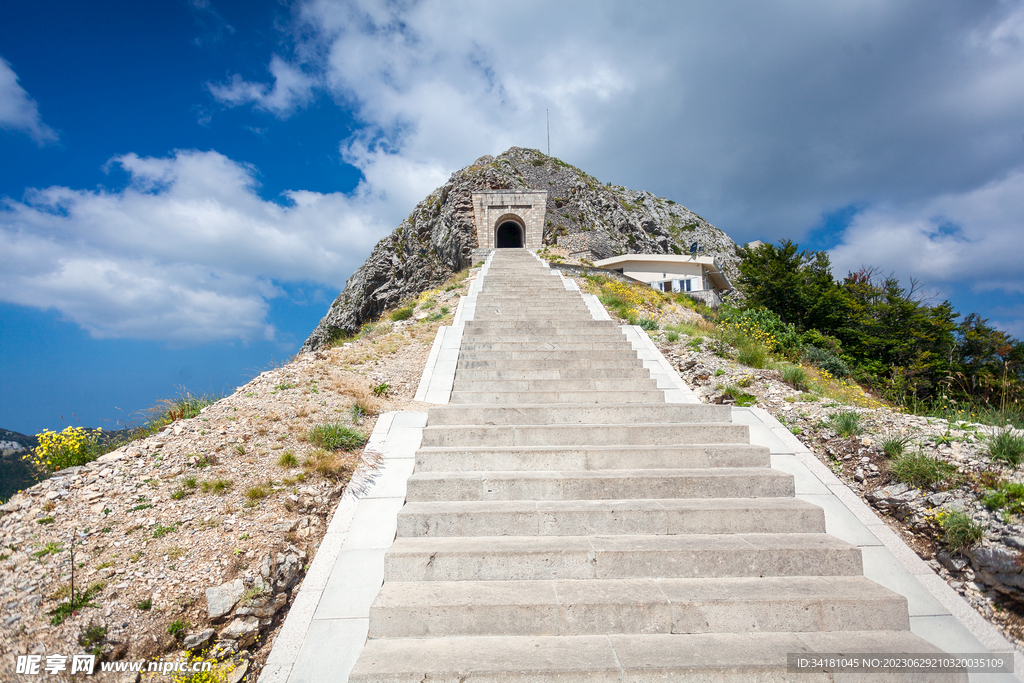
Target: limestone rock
(198,640)
(264,607)
(243,631)
(439,236)
(220,600)
(997,566)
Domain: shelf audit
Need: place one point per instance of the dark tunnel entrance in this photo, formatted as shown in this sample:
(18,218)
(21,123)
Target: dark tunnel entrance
(509,236)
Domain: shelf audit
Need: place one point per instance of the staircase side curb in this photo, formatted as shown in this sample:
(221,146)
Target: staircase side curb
(288,645)
(985,633)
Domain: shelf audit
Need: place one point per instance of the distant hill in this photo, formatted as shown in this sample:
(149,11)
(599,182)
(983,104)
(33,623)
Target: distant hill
(15,472)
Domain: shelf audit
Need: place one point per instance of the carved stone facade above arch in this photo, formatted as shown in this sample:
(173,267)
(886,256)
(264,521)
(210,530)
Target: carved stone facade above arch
(491,208)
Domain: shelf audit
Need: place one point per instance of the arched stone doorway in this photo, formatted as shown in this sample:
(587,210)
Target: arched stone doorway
(509,235)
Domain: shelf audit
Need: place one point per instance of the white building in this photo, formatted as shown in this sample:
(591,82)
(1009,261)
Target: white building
(671,273)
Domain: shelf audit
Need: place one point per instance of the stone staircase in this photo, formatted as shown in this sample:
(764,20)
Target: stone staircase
(565,523)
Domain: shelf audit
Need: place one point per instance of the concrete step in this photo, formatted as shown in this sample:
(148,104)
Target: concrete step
(651,517)
(625,353)
(532,558)
(534,364)
(718,657)
(526,458)
(560,336)
(540,326)
(636,372)
(641,434)
(459,397)
(560,385)
(526,414)
(719,482)
(593,607)
(561,315)
(547,345)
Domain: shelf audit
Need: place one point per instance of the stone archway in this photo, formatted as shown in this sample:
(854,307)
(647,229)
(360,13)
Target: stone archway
(509,235)
(494,210)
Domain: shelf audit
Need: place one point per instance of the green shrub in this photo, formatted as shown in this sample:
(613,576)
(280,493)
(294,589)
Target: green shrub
(59,450)
(826,360)
(846,423)
(648,324)
(1006,496)
(335,436)
(922,471)
(960,531)
(894,446)
(672,336)
(742,398)
(822,341)
(178,628)
(1005,446)
(761,325)
(795,376)
(752,354)
(288,459)
(401,314)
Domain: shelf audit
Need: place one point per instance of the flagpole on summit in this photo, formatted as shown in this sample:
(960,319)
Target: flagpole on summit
(547,118)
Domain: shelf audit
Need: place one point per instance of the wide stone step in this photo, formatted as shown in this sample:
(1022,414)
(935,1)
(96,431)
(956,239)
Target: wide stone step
(555,397)
(641,434)
(592,607)
(472,326)
(625,353)
(723,482)
(546,345)
(631,658)
(553,331)
(526,458)
(530,385)
(576,363)
(567,335)
(531,558)
(607,517)
(635,372)
(525,414)
(563,316)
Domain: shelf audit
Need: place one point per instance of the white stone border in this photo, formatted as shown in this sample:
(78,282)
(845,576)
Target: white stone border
(333,602)
(938,613)
(439,373)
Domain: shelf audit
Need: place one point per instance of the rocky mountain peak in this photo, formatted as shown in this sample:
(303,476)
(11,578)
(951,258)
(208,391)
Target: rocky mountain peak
(593,220)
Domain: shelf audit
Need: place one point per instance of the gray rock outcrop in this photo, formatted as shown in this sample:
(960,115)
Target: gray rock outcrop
(439,236)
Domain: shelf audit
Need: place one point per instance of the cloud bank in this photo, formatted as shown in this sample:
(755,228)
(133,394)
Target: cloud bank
(188,252)
(18,111)
(761,117)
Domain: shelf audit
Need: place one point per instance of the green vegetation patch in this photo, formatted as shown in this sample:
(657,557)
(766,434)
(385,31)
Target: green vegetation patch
(336,436)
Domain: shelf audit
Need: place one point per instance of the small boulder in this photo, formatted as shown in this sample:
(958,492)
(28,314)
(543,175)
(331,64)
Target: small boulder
(198,640)
(264,607)
(243,631)
(220,600)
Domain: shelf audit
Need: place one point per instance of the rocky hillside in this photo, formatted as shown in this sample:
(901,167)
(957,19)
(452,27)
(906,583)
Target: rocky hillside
(15,473)
(589,218)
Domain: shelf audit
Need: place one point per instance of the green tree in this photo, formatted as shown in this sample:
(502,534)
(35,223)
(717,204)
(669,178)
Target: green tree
(796,285)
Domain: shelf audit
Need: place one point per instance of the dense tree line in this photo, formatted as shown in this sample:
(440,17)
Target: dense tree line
(888,335)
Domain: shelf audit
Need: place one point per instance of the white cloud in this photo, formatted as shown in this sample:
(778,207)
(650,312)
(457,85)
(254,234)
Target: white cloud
(188,252)
(759,116)
(291,89)
(18,111)
(971,240)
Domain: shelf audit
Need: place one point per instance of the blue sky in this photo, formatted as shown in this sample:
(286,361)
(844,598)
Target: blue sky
(186,185)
